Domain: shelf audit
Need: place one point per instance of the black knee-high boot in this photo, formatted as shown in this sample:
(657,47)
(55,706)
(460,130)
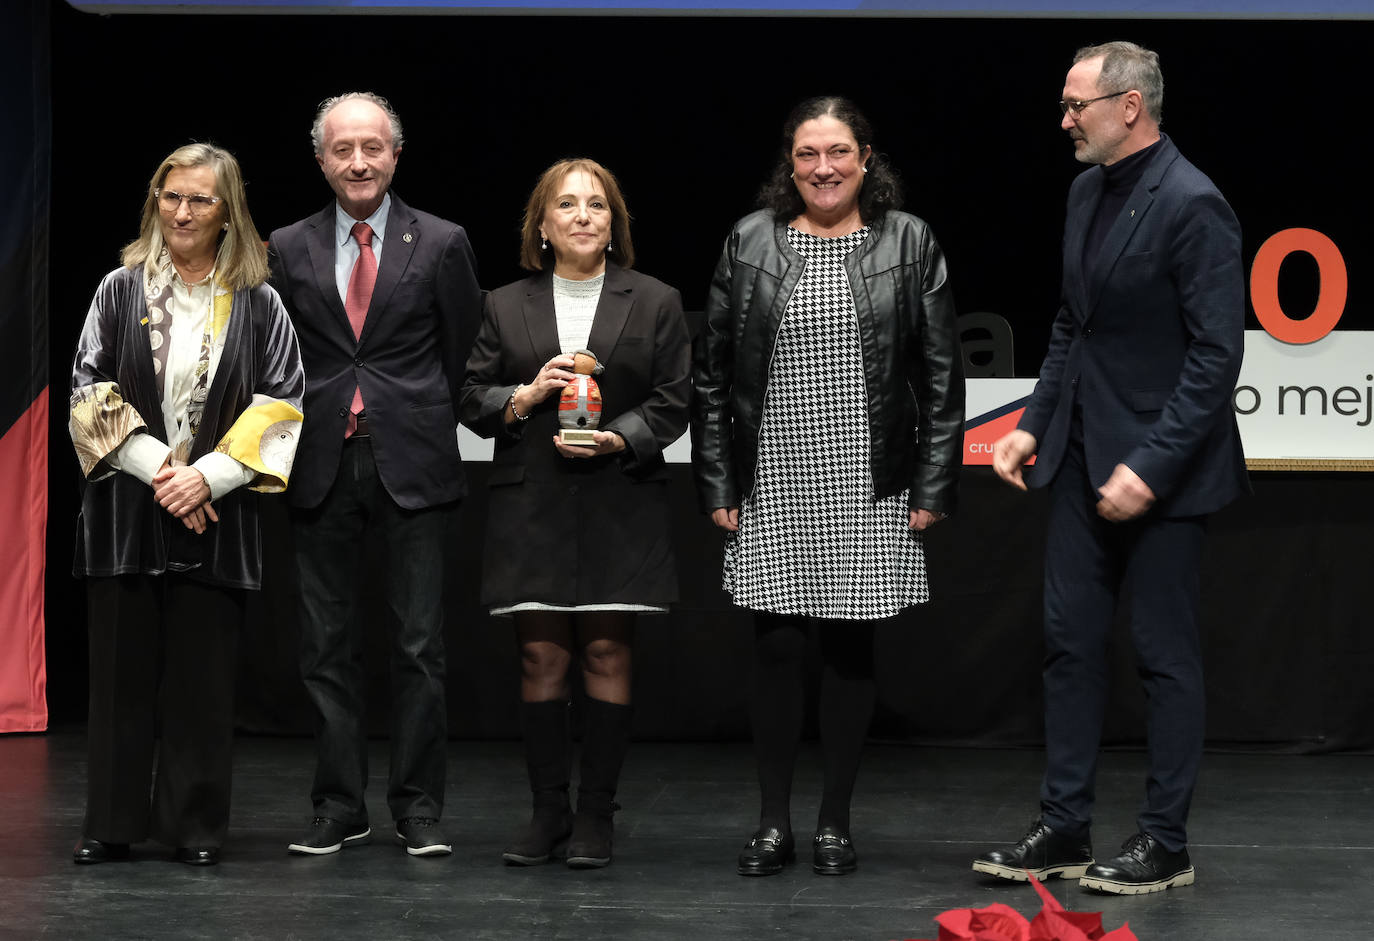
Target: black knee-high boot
(605,739)
(547,759)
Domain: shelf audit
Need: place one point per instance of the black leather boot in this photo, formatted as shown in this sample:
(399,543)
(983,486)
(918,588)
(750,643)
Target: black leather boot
(605,739)
(547,759)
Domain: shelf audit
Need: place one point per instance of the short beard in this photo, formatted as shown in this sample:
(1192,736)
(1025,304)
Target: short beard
(1090,153)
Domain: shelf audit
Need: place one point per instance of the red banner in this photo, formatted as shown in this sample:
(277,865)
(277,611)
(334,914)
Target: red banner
(23,520)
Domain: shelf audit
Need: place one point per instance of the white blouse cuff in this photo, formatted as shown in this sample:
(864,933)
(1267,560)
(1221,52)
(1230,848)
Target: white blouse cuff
(141,455)
(223,473)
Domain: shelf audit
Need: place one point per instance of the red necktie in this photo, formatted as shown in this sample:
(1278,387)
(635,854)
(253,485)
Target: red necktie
(361,281)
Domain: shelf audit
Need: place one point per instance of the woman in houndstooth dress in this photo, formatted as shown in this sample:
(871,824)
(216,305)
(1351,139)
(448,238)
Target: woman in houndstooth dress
(827,430)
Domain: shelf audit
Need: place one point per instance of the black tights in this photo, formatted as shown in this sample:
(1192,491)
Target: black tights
(846,706)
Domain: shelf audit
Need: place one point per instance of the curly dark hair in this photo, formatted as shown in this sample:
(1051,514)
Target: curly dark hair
(881,189)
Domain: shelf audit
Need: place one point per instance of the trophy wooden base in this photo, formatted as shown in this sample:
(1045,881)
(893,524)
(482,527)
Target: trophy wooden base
(577,437)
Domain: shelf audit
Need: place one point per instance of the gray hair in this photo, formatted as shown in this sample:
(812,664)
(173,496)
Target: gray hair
(1125,66)
(329,104)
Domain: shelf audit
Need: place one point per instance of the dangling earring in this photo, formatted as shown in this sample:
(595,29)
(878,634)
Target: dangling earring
(543,243)
(610,247)
(226,227)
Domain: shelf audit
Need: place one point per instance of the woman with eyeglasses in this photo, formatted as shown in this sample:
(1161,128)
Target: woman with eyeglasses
(185,403)
(577,537)
(827,428)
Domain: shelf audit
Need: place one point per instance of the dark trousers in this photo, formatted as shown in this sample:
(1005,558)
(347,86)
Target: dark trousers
(162,672)
(1088,561)
(330,550)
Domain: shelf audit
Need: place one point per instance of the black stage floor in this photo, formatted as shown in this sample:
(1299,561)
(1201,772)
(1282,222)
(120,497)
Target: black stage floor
(1283,848)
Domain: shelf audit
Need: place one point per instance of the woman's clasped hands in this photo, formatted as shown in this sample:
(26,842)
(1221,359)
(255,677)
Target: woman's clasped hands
(183,491)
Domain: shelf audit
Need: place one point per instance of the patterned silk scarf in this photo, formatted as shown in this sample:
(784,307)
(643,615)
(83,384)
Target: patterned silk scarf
(157,290)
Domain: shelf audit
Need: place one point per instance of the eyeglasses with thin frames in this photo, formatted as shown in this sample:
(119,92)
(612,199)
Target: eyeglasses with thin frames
(1075,107)
(198,203)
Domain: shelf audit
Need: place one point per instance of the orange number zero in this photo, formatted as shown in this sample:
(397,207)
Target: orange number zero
(1331,294)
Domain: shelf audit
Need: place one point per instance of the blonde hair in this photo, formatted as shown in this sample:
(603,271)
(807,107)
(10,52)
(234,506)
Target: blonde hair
(534,258)
(241,258)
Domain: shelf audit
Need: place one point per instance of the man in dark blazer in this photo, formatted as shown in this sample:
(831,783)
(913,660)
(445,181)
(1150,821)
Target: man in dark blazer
(385,302)
(1133,431)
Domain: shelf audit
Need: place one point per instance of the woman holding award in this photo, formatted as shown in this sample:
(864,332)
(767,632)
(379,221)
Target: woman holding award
(827,428)
(577,534)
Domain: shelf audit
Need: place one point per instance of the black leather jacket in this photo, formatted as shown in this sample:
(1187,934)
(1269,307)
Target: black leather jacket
(912,364)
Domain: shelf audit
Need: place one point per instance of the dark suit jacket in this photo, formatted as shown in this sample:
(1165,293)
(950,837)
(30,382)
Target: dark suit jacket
(1149,342)
(573,531)
(408,362)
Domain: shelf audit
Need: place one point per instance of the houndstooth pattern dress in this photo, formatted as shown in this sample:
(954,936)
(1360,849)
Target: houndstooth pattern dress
(812,540)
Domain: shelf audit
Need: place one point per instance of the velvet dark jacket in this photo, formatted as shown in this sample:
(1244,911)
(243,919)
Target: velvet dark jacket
(122,529)
(912,366)
(574,531)
(408,361)
(1148,344)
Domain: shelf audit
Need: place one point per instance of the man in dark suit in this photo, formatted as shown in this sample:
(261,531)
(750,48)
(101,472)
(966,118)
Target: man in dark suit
(385,302)
(1133,432)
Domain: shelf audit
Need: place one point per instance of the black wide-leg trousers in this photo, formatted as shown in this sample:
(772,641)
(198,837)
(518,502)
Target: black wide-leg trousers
(161,725)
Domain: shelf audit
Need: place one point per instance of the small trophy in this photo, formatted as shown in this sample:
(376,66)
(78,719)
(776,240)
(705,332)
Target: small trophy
(579,405)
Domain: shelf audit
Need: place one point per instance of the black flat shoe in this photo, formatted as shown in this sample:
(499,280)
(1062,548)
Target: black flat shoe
(832,854)
(195,857)
(89,851)
(768,850)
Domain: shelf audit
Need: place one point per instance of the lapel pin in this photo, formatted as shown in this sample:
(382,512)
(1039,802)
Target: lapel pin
(1132,216)
(407,239)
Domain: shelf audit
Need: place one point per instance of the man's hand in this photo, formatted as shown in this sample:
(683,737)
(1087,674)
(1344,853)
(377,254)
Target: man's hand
(1010,453)
(1124,496)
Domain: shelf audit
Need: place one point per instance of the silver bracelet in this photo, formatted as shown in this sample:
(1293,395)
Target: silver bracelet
(511,403)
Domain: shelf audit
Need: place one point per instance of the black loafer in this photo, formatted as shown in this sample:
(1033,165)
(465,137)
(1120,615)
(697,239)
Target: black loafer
(832,854)
(89,851)
(1144,866)
(196,857)
(768,850)
(1042,852)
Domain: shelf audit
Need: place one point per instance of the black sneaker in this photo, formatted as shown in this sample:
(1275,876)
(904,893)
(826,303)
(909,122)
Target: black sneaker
(1144,866)
(328,835)
(423,836)
(1042,852)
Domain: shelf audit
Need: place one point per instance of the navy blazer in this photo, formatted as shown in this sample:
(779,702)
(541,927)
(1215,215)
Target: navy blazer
(1149,342)
(408,362)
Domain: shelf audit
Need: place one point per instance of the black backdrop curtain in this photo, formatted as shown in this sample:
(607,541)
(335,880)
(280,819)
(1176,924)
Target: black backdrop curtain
(686,111)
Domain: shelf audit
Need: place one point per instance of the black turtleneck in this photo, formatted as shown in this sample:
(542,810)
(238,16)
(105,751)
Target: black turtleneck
(1120,178)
